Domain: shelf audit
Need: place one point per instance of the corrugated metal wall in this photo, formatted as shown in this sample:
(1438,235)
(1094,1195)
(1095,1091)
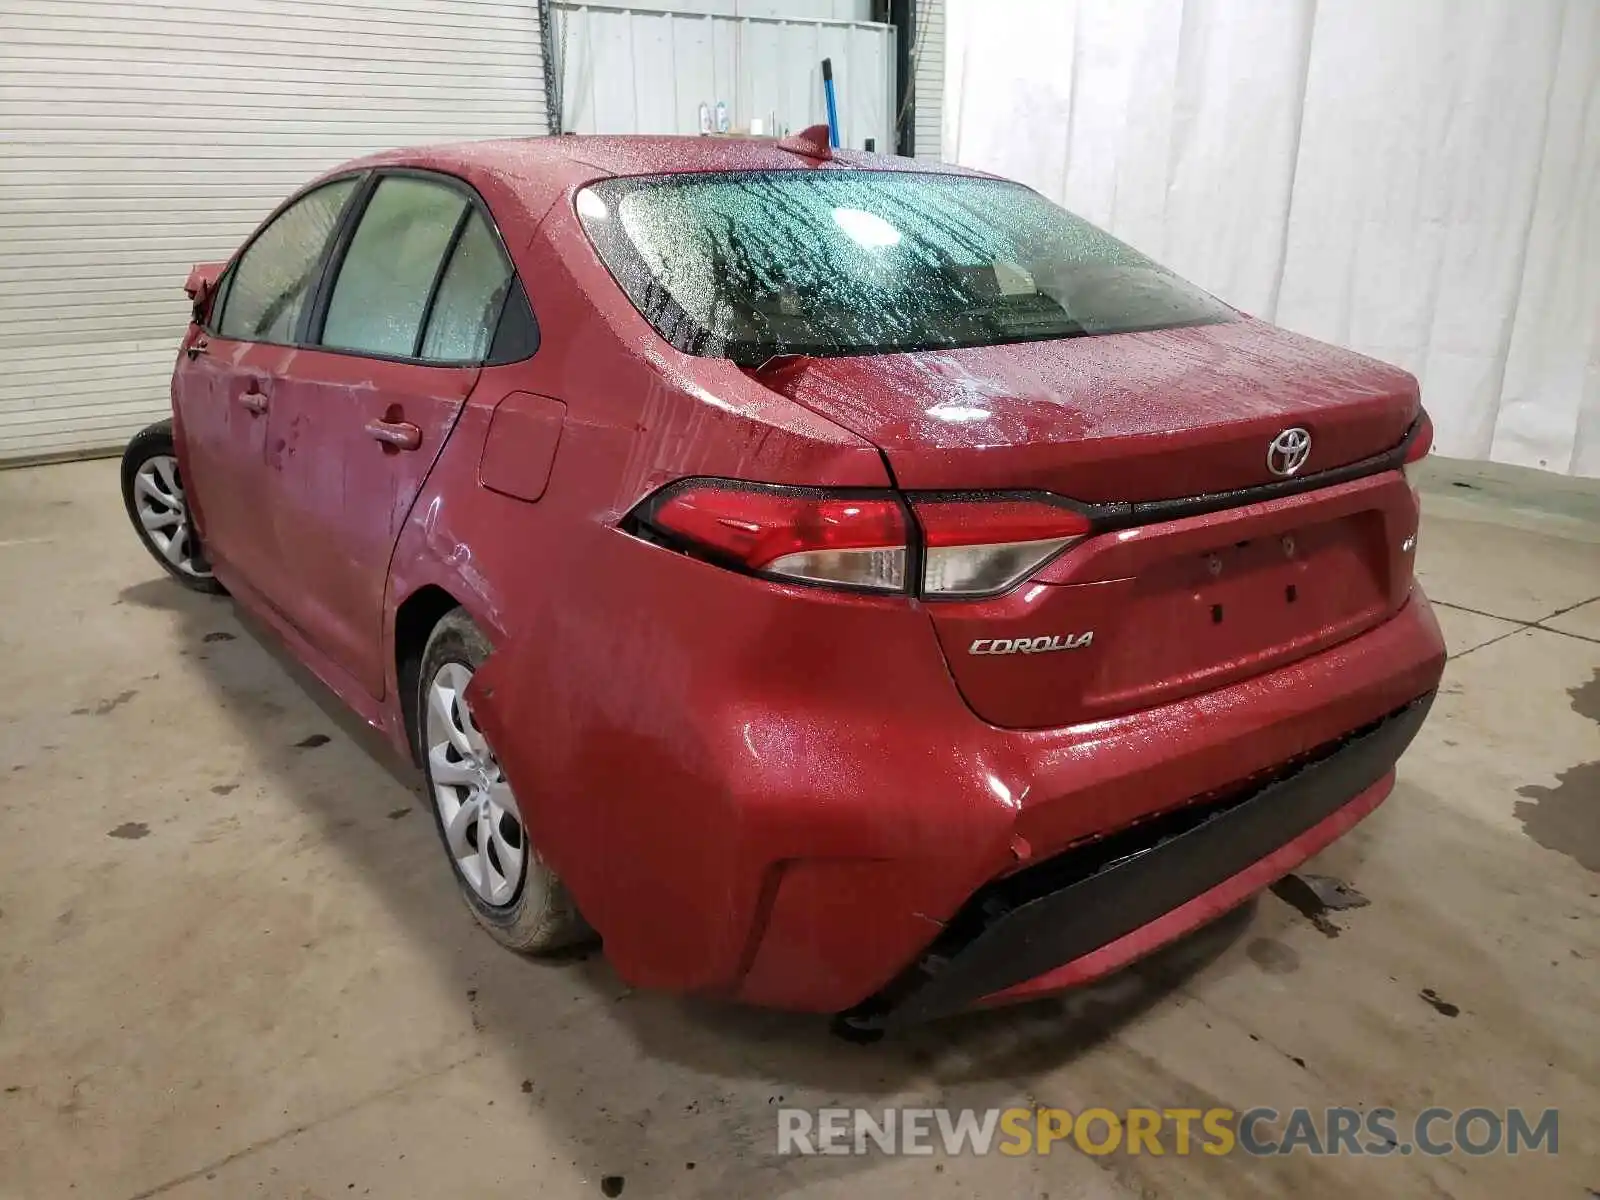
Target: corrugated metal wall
(140,136)
(647,69)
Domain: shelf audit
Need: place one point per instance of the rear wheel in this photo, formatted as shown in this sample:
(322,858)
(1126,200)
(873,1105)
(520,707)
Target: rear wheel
(152,492)
(509,889)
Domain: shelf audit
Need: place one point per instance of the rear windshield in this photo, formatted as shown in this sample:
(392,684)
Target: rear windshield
(755,264)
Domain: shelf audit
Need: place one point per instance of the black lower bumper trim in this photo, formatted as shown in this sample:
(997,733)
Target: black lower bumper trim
(1019,927)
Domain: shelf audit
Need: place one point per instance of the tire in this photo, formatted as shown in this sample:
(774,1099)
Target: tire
(152,492)
(531,913)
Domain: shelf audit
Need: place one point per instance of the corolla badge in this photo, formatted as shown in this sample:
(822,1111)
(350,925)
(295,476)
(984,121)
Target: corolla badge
(1288,452)
(1033,645)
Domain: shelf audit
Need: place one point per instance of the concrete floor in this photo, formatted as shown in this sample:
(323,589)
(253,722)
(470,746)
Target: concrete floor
(232,962)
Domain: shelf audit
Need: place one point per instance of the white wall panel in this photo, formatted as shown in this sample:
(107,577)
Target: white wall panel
(140,136)
(648,68)
(828,10)
(653,78)
(1551,388)
(928,61)
(1419,181)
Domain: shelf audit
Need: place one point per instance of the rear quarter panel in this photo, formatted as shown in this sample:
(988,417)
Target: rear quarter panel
(580,681)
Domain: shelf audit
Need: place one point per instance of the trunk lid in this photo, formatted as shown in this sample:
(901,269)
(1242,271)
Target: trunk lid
(1137,618)
(1127,417)
(1177,606)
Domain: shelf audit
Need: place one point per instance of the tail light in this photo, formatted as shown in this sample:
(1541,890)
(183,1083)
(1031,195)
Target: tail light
(979,547)
(967,546)
(847,539)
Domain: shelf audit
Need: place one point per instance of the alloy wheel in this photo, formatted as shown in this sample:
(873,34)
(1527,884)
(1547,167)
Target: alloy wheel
(164,515)
(477,811)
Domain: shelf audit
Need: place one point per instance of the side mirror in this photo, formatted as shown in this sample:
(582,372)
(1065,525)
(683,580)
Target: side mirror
(202,301)
(200,286)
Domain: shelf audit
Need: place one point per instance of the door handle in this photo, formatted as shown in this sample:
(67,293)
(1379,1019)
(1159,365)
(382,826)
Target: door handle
(254,398)
(402,435)
(197,347)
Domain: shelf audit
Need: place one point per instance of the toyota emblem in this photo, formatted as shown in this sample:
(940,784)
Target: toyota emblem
(1288,452)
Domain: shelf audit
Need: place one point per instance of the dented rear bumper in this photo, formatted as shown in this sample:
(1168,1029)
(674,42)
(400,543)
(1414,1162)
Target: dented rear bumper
(1246,781)
(1020,935)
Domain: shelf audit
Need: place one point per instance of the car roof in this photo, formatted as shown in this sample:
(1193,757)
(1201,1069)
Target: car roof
(551,163)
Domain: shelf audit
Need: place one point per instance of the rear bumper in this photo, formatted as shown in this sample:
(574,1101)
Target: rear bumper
(837,929)
(1034,930)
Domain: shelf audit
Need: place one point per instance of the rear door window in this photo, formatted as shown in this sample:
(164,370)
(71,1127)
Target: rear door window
(219,301)
(381,296)
(471,294)
(267,290)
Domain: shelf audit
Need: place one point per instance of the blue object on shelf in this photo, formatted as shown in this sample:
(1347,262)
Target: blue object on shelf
(833,107)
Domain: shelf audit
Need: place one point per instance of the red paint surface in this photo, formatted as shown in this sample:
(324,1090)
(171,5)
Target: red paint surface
(778,792)
(339,497)
(1165,626)
(524,434)
(1137,416)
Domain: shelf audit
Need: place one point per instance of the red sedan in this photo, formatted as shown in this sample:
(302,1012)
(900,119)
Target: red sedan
(851,585)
